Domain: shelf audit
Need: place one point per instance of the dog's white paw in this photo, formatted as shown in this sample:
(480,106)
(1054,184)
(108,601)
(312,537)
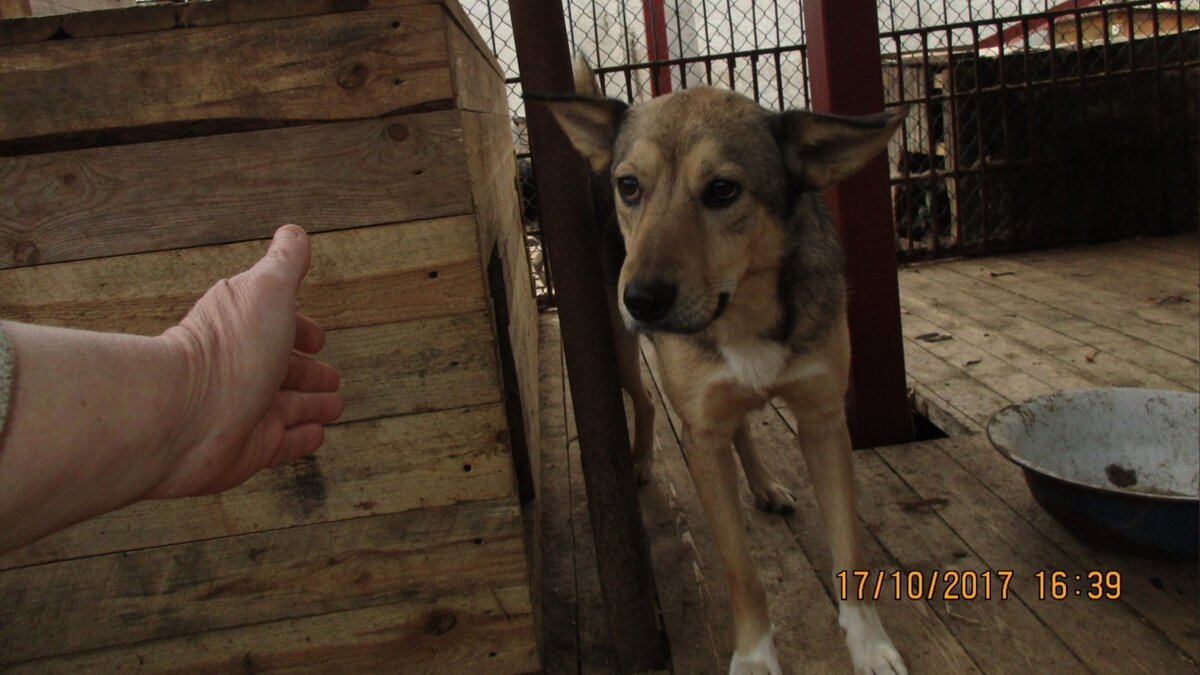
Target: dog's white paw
(761,660)
(871,650)
(774,498)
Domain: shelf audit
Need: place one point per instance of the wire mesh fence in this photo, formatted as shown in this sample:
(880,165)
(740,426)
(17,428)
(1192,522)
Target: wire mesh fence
(1031,123)
(1062,125)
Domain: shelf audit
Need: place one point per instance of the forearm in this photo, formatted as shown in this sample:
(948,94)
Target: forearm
(90,426)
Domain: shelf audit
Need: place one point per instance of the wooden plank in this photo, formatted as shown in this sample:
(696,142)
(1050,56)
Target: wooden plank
(492,168)
(1115,270)
(30,29)
(1108,636)
(996,346)
(122,20)
(1115,358)
(365,468)
(1183,247)
(973,401)
(359,277)
(234,187)
(555,582)
(1011,383)
(1165,593)
(15,8)
(484,630)
(236,581)
(1117,257)
(335,67)
(1149,324)
(1000,635)
(416,366)
(125,21)
(928,404)
(478,86)
(44,7)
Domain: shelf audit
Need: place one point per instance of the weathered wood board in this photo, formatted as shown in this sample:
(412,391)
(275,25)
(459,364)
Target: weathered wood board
(483,631)
(358,472)
(322,68)
(361,277)
(124,598)
(146,153)
(117,200)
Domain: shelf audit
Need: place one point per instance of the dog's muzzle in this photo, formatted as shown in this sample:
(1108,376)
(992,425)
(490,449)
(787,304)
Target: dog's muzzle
(656,306)
(649,301)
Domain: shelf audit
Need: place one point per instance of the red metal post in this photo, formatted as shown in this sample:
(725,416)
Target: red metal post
(845,77)
(572,241)
(656,45)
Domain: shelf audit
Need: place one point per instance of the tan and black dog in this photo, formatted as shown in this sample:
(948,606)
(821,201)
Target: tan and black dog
(732,268)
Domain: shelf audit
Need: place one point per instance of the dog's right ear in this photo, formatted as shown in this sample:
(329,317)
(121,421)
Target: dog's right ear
(819,150)
(590,123)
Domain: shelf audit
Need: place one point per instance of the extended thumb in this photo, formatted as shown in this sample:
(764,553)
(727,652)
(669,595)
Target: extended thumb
(289,255)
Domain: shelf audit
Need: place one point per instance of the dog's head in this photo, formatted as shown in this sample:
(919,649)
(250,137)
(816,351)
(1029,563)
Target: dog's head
(703,182)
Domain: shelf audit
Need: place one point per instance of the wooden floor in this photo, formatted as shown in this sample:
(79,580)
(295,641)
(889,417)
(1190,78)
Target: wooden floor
(978,334)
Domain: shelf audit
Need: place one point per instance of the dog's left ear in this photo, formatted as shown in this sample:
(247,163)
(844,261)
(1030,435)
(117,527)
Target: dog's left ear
(819,150)
(590,124)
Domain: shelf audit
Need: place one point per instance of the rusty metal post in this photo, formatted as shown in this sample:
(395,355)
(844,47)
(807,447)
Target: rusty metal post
(572,245)
(655,16)
(845,77)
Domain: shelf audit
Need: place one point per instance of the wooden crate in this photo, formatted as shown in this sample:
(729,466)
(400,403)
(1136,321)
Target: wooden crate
(146,152)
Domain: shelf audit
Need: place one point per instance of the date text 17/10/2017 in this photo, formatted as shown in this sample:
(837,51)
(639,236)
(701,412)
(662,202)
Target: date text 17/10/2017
(949,585)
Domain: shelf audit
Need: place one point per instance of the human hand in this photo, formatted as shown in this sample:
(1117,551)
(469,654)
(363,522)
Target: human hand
(255,398)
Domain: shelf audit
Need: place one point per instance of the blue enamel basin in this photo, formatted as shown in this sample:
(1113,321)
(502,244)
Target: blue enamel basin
(1119,468)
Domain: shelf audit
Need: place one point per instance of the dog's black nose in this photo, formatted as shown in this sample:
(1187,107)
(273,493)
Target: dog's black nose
(649,301)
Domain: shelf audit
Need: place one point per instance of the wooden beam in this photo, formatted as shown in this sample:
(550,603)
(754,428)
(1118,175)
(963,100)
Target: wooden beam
(845,78)
(572,243)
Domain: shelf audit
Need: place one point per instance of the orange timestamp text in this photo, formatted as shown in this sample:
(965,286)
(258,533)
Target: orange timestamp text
(946,585)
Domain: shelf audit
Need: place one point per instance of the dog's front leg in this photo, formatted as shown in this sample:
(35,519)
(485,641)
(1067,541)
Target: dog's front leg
(825,443)
(714,473)
(629,368)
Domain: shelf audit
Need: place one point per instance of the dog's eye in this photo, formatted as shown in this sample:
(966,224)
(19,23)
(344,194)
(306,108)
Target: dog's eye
(721,193)
(630,189)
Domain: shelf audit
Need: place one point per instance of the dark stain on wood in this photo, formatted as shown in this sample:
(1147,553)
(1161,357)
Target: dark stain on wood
(440,623)
(309,484)
(25,253)
(248,664)
(398,132)
(352,76)
(920,504)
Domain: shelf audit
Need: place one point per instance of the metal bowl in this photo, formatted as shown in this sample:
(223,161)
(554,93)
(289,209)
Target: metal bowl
(1118,467)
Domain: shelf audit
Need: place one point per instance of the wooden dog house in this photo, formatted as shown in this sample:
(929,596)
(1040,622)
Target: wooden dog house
(147,152)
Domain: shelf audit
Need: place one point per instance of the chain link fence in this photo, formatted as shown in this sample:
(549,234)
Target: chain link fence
(1044,126)
(1032,123)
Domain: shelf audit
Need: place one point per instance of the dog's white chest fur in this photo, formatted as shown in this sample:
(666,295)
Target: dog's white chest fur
(761,364)
(755,364)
